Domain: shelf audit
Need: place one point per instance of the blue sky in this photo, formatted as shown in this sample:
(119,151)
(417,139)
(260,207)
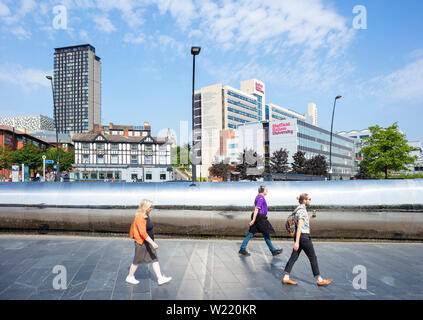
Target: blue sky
(304,51)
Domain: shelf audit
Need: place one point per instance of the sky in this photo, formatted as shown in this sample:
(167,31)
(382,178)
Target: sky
(369,51)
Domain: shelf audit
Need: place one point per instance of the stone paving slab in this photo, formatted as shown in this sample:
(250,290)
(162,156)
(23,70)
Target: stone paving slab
(96,268)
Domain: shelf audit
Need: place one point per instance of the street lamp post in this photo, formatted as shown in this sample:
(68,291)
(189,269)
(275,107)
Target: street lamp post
(57,136)
(194,51)
(330,145)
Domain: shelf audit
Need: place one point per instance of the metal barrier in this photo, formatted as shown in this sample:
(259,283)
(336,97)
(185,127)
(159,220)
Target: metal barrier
(355,209)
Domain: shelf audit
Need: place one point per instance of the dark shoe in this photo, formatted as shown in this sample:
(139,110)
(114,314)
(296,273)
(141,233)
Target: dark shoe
(244,252)
(276,252)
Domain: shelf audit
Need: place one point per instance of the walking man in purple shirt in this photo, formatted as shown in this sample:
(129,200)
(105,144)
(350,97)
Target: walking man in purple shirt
(260,224)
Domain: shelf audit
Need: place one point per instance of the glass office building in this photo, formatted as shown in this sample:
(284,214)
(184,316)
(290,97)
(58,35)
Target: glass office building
(77,88)
(294,135)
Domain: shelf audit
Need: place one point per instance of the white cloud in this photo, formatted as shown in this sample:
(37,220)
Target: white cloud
(20,32)
(131,12)
(27,78)
(182,10)
(416,54)
(135,39)
(404,84)
(104,24)
(27,6)
(250,23)
(83,34)
(168,42)
(4,10)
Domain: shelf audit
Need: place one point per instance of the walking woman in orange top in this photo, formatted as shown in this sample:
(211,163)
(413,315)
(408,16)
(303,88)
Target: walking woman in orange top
(145,247)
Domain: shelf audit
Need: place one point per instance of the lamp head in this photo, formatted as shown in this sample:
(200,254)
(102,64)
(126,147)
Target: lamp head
(49,77)
(338,97)
(195,50)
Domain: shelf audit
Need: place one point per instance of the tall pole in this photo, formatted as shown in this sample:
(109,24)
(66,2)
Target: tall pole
(57,136)
(194,169)
(194,52)
(330,144)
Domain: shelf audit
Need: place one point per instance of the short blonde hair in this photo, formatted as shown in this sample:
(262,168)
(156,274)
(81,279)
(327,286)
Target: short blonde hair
(144,206)
(302,197)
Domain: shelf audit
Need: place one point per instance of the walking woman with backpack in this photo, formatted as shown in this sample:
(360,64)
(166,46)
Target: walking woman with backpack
(260,224)
(145,247)
(303,242)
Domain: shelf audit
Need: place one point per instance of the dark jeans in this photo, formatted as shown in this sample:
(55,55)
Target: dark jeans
(307,246)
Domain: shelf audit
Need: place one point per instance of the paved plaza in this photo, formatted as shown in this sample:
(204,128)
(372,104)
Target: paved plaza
(204,269)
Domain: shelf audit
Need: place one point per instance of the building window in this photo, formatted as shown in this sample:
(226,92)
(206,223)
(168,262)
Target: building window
(85,158)
(115,146)
(114,159)
(100,159)
(134,147)
(93,175)
(148,148)
(134,160)
(100,146)
(109,175)
(162,159)
(85,146)
(148,159)
(101,176)
(162,176)
(148,176)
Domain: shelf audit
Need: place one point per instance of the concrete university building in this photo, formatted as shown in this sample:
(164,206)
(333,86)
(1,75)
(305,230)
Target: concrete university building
(220,109)
(77,88)
(122,153)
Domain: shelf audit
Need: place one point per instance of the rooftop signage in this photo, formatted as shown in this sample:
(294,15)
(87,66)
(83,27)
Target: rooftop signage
(259,87)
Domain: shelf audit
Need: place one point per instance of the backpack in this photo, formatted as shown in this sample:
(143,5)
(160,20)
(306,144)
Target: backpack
(291,224)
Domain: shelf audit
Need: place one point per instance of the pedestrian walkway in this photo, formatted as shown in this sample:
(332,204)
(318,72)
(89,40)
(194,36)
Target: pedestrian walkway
(205,269)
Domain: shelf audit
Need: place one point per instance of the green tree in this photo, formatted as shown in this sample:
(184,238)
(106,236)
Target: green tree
(362,172)
(29,155)
(220,169)
(317,166)
(66,158)
(5,157)
(279,161)
(299,164)
(386,149)
(176,156)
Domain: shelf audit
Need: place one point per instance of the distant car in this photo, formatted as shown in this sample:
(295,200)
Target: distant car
(35,179)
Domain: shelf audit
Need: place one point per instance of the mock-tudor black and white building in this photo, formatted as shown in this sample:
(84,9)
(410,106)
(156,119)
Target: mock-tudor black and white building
(101,157)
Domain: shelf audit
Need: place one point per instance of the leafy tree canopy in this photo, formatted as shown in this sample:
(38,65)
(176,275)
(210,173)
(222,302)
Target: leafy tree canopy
(386,149)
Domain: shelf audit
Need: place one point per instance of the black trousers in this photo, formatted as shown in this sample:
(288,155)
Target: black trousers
(307,246)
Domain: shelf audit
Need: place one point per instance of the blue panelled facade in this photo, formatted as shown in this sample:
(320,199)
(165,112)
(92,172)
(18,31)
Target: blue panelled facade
(240,108)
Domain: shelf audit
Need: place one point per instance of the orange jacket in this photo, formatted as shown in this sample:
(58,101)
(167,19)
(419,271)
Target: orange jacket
(138,230)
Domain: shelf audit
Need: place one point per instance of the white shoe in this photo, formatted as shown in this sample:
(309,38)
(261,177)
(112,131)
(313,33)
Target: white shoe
(131,280)
(163,280)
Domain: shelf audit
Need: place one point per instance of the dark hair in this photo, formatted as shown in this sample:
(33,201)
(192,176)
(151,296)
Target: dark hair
(260,190)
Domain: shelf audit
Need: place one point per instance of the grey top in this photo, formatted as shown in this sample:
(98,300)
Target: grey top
(301,213)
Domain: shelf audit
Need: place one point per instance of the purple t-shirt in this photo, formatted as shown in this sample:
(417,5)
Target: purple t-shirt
(261,204)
